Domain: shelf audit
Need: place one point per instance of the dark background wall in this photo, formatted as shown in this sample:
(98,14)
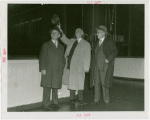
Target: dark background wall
(29,24)
(29,40)
(137,30)
(122,28)
(74,18)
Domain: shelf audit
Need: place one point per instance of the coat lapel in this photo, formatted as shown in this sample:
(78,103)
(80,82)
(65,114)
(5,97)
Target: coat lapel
(69,49)
(105,41)
(96,45)
(58,47)
(80,43)
(52,45)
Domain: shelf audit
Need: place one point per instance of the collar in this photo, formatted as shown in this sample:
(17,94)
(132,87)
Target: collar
(79,40)
(102,39)
(54,41)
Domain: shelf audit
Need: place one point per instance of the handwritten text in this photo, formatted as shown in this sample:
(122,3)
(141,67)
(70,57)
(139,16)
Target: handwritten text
(93,2)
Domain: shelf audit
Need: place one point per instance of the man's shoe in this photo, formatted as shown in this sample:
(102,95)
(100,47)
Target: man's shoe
(56,106)
(81,102)
(46,108)
(95,103)
(71,102)
(107,104)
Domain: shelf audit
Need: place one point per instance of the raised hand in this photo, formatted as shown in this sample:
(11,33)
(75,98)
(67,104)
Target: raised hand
(59,26)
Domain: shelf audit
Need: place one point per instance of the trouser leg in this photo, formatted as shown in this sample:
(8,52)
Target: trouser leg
(46,96)
(105,94)
(104,89)
(54,96)
(97,89)
(80,93)
(97,86)
(72,94)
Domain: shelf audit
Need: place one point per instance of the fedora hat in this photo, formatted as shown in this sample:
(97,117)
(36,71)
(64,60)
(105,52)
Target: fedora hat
(55,19)
(102,28)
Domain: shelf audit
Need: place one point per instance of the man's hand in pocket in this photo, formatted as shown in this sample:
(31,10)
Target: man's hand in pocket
(43,72)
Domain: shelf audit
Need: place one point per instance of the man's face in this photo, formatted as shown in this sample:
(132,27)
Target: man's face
(100,34)
(55,34)
(78,33)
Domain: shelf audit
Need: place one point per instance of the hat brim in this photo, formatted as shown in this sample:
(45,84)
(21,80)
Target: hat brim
(102,30)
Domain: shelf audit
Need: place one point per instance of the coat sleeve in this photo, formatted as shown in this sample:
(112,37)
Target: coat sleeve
(87,57)
(64,39)
(113,51)
(42,58)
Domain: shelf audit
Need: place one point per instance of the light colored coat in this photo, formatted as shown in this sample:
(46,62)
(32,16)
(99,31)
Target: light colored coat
(80,63)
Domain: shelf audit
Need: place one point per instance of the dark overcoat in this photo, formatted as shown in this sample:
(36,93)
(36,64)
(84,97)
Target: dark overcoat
(110,51)
(52,60)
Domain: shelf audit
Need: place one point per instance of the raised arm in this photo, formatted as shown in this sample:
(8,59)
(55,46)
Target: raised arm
(63,37)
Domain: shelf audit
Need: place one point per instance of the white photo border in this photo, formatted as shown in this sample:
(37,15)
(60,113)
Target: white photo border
(69,115)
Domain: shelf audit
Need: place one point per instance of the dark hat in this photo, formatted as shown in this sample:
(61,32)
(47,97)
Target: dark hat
(103,28)
(55,19)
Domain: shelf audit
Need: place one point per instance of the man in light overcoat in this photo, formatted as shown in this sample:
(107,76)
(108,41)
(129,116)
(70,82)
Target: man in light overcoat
(78,57)
(51,63)
(104,53)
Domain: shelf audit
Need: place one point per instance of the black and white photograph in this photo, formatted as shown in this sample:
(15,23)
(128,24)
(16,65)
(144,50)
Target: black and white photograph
(75,58)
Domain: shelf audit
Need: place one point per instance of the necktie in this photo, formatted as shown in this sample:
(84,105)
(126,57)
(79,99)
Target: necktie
(56,43)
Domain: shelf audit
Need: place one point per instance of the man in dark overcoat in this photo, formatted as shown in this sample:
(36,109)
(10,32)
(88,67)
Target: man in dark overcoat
(51,63)
(104,53)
